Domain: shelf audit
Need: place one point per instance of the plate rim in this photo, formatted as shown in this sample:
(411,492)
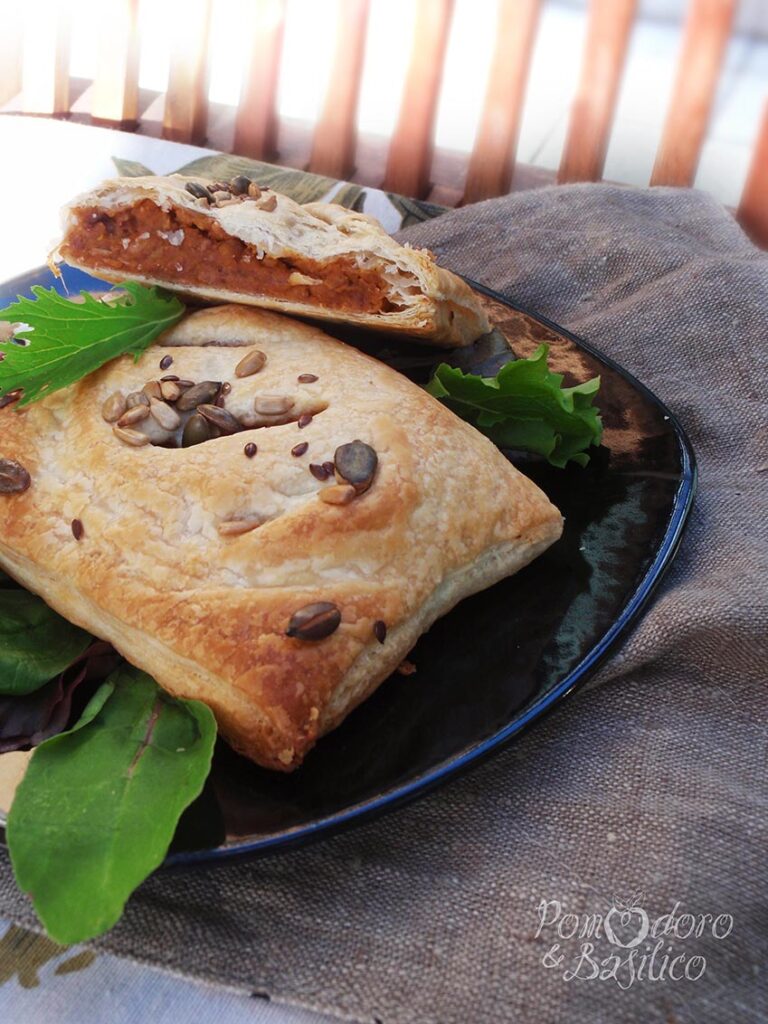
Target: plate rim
(393,798)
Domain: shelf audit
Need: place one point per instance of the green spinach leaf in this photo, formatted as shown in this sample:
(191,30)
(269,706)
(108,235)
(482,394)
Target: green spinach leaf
(525,407)
(98,806)
(36,644)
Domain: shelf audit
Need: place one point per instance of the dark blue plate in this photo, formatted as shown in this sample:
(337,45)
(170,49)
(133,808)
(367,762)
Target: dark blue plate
(500,659)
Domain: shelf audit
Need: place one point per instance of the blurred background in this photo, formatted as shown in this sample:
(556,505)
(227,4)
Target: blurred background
(446,100)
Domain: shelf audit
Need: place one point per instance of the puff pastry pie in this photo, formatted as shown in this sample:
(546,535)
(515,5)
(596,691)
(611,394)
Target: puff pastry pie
(234,242)
(268,529)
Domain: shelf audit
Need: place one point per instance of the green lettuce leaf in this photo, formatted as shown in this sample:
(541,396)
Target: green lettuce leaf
(525,407)
(36,644)
(98,805)
(63,341)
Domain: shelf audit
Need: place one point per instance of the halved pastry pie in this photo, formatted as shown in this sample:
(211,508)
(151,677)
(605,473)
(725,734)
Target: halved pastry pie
(236,242)
(260,517)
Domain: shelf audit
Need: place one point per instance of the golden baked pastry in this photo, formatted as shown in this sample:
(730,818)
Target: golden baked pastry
(280,570)
(256,246)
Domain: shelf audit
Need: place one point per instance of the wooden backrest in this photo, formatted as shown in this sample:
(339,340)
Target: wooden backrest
(41,75)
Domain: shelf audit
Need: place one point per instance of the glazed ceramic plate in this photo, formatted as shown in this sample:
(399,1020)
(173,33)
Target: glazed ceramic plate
(501,659)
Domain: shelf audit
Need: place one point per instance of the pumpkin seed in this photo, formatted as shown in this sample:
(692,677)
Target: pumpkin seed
(200,394)
(220,418)
(355,464)
(14,479)
(239,185)
(314,621)
(196,431)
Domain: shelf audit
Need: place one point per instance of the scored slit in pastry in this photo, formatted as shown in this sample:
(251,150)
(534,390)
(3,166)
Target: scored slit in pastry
(262,248)
(282,564)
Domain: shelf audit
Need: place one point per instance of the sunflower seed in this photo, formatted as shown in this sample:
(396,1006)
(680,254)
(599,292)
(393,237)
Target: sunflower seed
(169,376)
(307,378)
(163,414)
(355,464)
(250,450)
(273,405)
(165,362)
(199,394)
(239,185)
(134,438)
(380,630)
(170,390)
(338,494)
(114,407)
(133,416)
(152,389)
(253,190)
(220,418)
(251,363)
(14,479)
(184,384)
(136,398)
(299,449)
(196,431)
(236,527)
(78,530)
(269,204)
(314,621)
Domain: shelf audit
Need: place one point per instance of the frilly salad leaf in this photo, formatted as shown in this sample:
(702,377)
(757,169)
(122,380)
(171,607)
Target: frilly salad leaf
(98,806)
(36,644)
(57,342)
(525,407)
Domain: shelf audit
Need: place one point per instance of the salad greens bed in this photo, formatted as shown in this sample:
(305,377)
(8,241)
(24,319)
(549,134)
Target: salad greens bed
(116,760)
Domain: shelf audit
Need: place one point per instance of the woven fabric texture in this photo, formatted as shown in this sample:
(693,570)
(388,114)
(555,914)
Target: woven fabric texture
(643,799)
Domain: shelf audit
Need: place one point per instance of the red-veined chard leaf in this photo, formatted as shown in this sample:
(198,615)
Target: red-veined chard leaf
(97,808)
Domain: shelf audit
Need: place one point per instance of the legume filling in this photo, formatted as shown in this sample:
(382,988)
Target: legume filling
(204,254)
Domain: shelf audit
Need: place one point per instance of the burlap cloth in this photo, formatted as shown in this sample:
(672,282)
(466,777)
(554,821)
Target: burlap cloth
(646,792)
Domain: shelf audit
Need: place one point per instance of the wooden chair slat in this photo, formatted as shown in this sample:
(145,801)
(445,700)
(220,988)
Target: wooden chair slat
(753,208)
(333,144)
(256,120)
(115,97)
(589,127)
(185,116)
(45,62)
(410,152)
(493,156)
(705,40)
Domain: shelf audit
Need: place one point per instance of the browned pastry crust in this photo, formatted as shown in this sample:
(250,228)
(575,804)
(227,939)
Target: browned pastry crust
(206,613)
(318,260)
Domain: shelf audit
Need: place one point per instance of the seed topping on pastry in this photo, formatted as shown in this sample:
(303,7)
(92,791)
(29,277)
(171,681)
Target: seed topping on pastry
(314,621)
(250,450)
(220,418)
(252,362)
(165,362)
(304,420)
(355,463)
(78,530)
(114,407)
(196,430)
(318,471)
(14,479)
(380,630)
(299,449)
(307,378)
